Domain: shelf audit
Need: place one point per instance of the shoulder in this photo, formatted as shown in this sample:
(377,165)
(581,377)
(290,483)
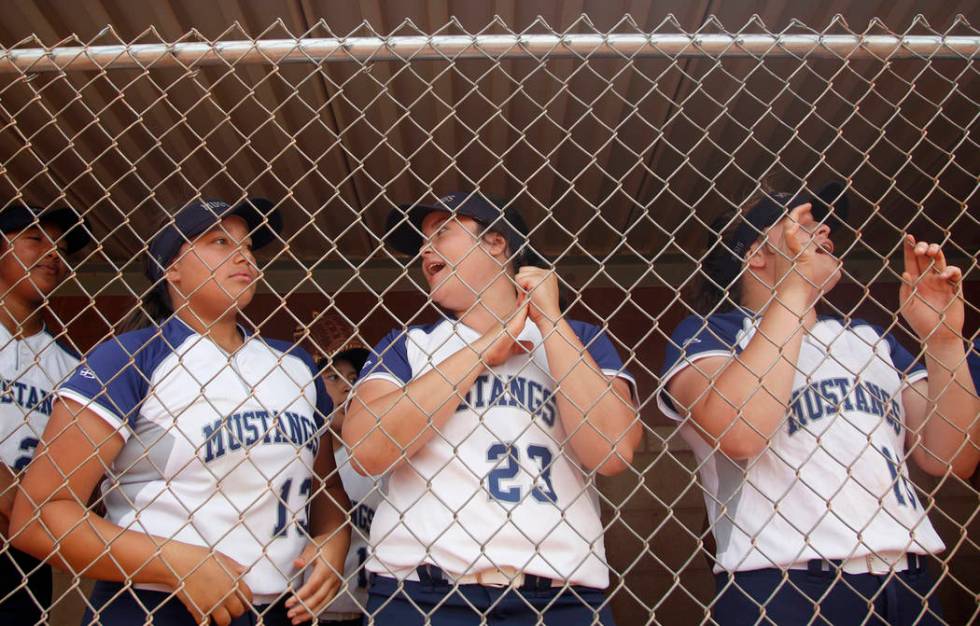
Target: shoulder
(697,337)
(856,325)
(393,357)
(289,350)
(418,334)
(141,346)
(866,330)
(724,327)
(888,347)
(143,349)
(426,330)
(62,345)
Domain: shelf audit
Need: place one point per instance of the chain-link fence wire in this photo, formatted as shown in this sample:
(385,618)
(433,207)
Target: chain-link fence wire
(619,148)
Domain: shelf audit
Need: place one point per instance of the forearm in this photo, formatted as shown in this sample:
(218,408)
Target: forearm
(951,432)
(81,542)
(749,398)
(603,429)
(329,527)
(383,431)
(329,511)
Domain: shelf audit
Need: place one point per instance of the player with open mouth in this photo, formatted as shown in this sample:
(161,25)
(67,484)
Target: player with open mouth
(490,425)
(802,423)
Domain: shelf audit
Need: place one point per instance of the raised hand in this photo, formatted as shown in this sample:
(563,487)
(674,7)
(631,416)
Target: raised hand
(931,295)
(795,254)
(541,287)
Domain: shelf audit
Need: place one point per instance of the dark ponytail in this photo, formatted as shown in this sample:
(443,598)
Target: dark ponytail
(709,292)
(713,291)
(153,309)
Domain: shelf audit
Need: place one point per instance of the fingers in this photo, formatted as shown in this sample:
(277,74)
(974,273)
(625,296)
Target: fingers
(221,616)
(312,597)
(952,273)
(516,323)
(301,563)
(922,256)
(234,605)
(911,263)
(801,214)
(791,228)
(791,241)
(528,278)
(922,260)
(244,592)
(313,605)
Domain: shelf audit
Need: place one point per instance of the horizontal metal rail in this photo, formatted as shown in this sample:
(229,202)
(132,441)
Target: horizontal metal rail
(402,48)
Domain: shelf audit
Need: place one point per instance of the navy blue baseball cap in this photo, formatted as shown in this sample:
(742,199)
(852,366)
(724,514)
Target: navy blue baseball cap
(262,218)
(829,205)
(403,228)
(17,217)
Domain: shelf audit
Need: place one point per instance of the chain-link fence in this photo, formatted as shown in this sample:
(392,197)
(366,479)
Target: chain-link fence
(646,432)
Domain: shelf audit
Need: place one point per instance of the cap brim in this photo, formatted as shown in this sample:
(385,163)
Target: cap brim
(832,204)
(76,235)
(403,227)
(356,356)
(264,221)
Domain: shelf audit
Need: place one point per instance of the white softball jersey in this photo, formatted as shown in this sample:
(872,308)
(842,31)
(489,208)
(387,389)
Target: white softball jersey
(218,448)
(31,368)
(833,482)
(498,486)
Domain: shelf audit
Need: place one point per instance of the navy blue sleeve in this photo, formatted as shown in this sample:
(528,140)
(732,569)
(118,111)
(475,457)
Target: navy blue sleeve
(696,336)
(600,348)
(389,358)
(110,381)
(902,359)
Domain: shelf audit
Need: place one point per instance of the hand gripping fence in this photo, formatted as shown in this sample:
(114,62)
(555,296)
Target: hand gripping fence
(191,463)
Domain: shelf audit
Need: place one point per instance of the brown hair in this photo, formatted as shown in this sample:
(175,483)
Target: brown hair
(152,309)
(707,295)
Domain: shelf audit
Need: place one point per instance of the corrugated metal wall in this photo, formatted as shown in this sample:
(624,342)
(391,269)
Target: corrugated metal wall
(640,140)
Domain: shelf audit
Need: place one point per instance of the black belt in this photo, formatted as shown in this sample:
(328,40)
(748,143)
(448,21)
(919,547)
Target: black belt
(432,576)
(821,566)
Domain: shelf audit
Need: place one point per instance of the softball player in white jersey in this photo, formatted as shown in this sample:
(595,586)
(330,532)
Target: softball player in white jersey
(211,438)
(802,424)
(32,364)
(339,356)
(491,424)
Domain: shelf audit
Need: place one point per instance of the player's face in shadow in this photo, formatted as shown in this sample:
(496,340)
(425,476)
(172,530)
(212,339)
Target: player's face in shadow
(339,378)
(216,272)
(31,264)
(457,263)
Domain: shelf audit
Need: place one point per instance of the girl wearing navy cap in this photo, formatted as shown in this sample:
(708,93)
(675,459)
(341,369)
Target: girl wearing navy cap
(211,440)
(491,425)
(33,250)
(802,424)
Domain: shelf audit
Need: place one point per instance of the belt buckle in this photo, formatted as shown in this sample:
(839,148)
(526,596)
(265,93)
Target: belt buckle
(500,578)
(880,566)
